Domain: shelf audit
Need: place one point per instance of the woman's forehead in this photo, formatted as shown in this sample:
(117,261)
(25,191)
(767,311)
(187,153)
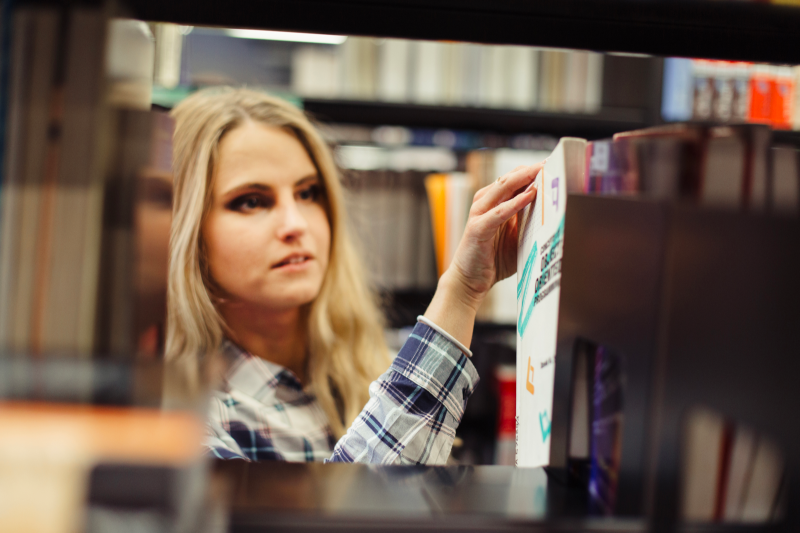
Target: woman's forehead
(259,153)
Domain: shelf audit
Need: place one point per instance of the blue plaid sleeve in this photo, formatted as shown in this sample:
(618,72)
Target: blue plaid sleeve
(414,407)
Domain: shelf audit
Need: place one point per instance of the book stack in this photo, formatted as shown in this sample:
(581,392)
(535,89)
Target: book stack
(733,167)
(452,74)
(731,91)
(76,169)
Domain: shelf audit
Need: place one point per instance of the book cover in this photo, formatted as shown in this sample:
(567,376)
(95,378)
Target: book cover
(539,250)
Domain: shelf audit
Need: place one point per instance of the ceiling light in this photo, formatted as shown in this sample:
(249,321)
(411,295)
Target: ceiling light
(285,36)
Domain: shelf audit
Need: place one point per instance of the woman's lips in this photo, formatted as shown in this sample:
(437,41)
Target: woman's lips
(294,263)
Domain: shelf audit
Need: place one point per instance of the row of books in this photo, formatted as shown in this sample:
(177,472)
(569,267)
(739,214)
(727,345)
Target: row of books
(731,473)
(734,167)
(457,140)
(86,192)
(449,73)
(731,91)
(409,205)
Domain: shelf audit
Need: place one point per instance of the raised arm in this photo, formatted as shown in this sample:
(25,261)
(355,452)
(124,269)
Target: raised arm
(416,405)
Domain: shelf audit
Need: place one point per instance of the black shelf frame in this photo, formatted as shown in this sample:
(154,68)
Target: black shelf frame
(507,121)
(747,31)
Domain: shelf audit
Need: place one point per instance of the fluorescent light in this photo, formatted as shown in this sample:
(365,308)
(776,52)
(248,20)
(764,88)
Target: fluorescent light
(286,36)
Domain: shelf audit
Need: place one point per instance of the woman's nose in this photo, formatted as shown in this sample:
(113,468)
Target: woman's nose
(292,222)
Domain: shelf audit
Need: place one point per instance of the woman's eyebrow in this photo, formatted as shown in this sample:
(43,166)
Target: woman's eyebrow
(248,186)
(303,181)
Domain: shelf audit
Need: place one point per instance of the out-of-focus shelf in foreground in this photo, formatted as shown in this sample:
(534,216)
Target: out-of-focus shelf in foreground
(751,31)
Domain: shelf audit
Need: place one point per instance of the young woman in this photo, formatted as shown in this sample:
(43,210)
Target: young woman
(263,272)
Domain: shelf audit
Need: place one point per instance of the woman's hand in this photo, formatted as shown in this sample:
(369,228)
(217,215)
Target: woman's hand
(486,254)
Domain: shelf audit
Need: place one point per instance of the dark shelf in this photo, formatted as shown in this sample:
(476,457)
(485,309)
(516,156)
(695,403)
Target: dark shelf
(592,126)
(724,30)
(786,137)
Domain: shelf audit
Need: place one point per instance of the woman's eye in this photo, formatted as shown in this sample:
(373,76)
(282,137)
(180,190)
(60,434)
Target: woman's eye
(311,193)
(249,203)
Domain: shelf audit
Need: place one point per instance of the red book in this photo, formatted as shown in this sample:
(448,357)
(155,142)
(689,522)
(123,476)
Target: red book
(762,81)
(782,98)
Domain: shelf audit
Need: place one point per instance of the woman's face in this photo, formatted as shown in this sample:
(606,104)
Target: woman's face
(267,235)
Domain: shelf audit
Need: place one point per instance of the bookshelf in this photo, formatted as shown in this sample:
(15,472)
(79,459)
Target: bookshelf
(745,31)
(719,30)
(603,124)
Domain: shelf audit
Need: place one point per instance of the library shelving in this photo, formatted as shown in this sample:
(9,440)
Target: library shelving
(748,31)
(595,125)
(701,346)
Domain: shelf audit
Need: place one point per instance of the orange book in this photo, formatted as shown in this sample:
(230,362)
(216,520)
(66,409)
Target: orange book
(118,434)
(436,186)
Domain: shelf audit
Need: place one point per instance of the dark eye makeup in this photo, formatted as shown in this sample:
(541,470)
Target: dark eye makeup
(250,202)
(312,193)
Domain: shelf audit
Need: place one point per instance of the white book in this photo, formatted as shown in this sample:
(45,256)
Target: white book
(765,482)
(702,443)
(493,76)
(459,193)
(521,77)
(358,67)
(539,252)
(427,72)
(575,87)
(394,63)
(315,72)
(594,83)
(453,74)
(548,79)
(472,55)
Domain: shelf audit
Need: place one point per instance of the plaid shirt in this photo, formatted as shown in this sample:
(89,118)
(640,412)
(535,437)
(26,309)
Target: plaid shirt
(263,413)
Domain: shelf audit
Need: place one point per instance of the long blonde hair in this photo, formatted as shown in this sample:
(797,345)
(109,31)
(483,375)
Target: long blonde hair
(347,349)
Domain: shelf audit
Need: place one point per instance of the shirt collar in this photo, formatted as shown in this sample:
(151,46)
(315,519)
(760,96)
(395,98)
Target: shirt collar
(254,376)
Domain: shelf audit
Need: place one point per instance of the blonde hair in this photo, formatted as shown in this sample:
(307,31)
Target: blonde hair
(347,350)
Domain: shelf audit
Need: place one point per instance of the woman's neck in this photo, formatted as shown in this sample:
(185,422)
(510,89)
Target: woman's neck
(276,336)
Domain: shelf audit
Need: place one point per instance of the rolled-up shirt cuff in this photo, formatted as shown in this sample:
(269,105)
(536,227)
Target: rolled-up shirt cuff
(434,363)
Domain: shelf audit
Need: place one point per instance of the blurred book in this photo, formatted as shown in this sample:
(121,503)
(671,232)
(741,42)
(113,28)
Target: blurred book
(505,447)
(48,454)
(450,73)
(389,212)
(730,472)
(68,263)
(730,92)
(606,429)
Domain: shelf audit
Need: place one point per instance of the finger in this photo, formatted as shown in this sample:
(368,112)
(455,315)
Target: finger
(483,190)
(494,218)
(506,187)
